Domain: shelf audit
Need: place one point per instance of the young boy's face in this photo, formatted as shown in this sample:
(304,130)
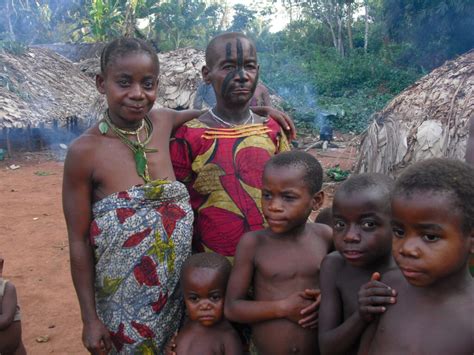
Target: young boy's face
(130,85)
(428,244)
(286,199)
(204,292)
(361,226)
(233,71)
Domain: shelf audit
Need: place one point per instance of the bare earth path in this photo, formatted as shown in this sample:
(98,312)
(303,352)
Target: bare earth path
(33,242)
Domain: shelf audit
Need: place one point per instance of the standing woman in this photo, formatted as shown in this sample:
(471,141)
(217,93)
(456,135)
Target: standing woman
(129,222)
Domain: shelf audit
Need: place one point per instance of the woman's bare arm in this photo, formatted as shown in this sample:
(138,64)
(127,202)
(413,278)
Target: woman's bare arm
(77,207)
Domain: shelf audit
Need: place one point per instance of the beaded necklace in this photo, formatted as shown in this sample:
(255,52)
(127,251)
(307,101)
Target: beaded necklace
(228,124)
(138,148)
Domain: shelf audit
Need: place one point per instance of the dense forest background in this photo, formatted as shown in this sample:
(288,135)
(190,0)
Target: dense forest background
(343,58)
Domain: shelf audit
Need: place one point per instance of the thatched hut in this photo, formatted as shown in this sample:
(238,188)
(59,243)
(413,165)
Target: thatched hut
(39,87)
(428,119)
(41,90)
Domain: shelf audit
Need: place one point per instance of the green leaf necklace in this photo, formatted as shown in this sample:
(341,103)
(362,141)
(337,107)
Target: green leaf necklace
(138,148)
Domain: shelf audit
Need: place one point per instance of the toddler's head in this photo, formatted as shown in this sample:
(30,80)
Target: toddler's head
(204,280)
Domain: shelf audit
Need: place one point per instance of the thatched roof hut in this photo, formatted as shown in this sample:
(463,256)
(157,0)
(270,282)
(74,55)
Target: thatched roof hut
(40,86)
(428,119)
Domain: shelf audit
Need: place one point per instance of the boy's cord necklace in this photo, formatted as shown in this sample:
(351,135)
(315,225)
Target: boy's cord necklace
(138,148)
(249,119)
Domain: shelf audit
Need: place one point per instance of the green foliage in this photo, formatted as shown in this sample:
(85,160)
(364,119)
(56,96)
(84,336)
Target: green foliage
(432,30)
(351,88)
(311,63)
(13,47)
(105,19)
(337,174)
(185,23)
(336,76)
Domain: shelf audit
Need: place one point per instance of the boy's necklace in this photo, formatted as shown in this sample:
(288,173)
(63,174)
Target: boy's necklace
(138,148)
(249,119)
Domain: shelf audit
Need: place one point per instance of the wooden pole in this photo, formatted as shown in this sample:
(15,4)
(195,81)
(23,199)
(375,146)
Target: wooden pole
(9,146)
(28,138)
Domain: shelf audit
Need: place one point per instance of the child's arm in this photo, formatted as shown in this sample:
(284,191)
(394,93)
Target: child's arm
(77,206)
(311,313)
(8,306)
(335,336)
(238,308)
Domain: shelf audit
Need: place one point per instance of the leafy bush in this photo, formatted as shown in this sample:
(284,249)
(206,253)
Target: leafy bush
(352,87)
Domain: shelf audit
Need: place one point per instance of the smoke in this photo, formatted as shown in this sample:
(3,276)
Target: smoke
(301,98)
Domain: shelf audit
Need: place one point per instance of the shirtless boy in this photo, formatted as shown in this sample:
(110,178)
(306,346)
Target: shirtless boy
(10,324)
(203,281)
(433,233)
(283,260)
(363,239)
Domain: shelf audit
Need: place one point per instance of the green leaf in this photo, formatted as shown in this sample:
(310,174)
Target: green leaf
(103,127)
(140,162)
(337,174)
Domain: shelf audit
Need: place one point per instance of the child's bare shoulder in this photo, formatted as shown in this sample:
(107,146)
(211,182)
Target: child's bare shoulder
(321,231)
(333,263)
(251,240)
(335,259)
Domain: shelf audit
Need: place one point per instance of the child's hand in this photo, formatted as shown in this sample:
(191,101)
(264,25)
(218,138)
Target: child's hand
(96,337)
(170,347)
(373,296)
(311,320)
(294,304)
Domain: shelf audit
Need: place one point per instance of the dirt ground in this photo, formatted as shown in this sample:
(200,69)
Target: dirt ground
(33,242)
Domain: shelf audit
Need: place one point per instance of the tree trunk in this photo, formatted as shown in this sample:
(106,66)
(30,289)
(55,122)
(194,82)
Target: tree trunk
(366,34)
(340,38)
(349,25)
(10,6)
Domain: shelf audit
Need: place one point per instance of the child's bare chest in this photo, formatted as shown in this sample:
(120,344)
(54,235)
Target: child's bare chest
(348,283)
(190,343)
(425,328)
(290,263)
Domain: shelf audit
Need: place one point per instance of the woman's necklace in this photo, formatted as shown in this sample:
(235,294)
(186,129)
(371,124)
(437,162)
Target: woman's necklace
(138,148)
(249,119)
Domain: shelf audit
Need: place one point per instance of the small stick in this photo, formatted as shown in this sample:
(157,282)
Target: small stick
(9,146)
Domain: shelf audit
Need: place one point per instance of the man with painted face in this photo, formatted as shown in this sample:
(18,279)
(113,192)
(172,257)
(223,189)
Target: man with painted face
(221,154)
